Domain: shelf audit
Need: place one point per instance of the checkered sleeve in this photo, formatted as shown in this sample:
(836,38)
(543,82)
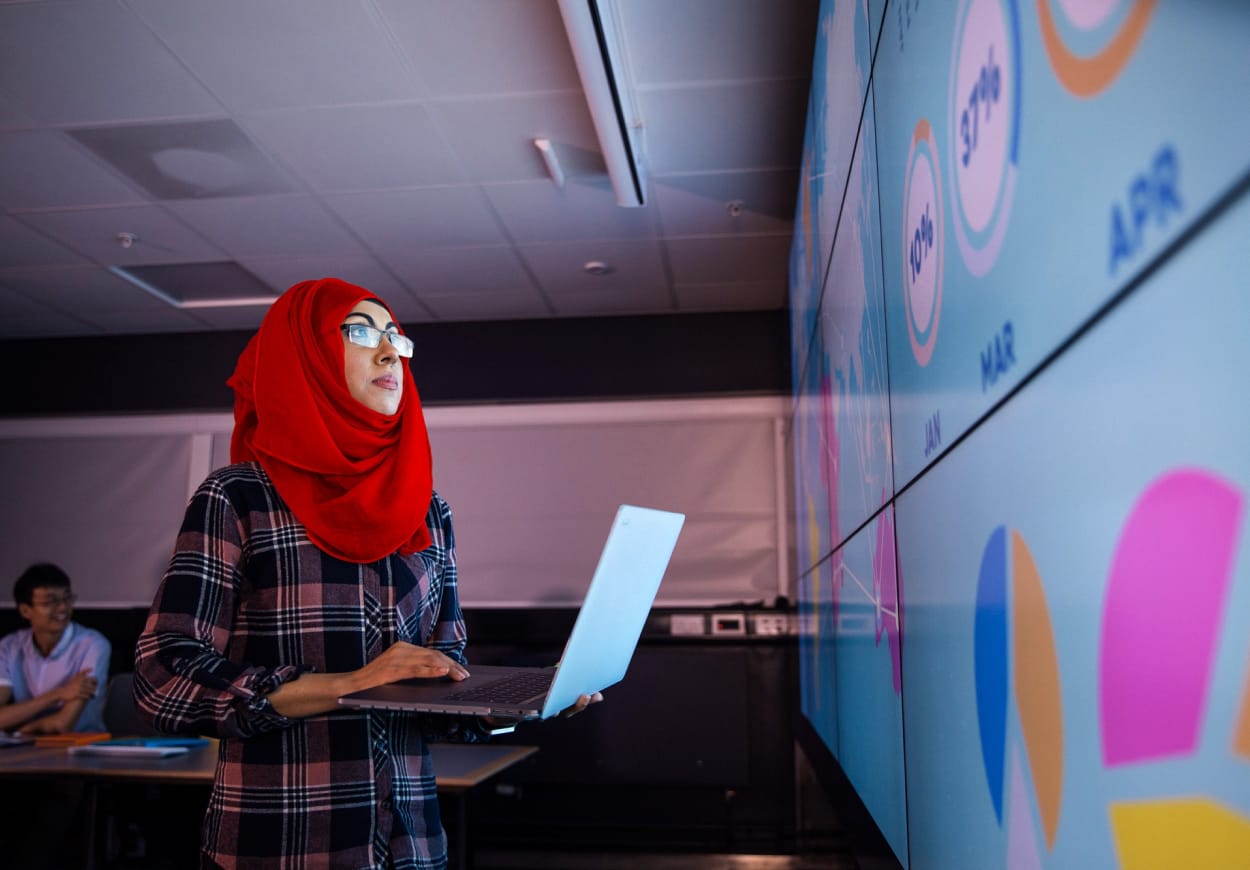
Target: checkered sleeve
(184,681)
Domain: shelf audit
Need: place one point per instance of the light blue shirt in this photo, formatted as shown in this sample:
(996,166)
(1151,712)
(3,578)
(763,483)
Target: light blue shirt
(29,673)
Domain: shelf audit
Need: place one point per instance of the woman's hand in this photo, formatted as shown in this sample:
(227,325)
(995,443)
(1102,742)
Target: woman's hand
(405,661)
(581,704)
(319,693)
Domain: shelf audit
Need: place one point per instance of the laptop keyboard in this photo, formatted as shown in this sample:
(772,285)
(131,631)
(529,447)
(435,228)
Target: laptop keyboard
(512,689)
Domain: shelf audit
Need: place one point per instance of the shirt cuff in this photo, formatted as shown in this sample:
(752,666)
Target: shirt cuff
(259,710)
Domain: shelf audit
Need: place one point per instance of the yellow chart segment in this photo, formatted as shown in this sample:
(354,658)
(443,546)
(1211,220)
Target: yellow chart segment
(809,220)
(1194,832)
(1037,686)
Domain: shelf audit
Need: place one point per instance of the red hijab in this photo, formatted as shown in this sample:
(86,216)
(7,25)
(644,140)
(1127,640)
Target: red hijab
(358,480)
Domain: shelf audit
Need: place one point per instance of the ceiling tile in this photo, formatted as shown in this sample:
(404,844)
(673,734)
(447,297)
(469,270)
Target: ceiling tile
(748,125)
(119,70)
(83,290)
(290,226)
(21,317)
(728,259)
(494,138)
(283,52)
(161,238)
(612,302)
(244,317)
(358,147)
(10,114)
(538,211)
(406,308)
(528,47)
(284,272)
(462,271)
(710,40)
(102,301)
(391,224)
(744,296)
(636,283)
(146,322)
(695,205)
(39,169)
(503,307)
(22,246)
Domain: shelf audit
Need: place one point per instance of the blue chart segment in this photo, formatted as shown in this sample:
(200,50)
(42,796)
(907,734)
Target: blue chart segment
(990,644)
(1072,144)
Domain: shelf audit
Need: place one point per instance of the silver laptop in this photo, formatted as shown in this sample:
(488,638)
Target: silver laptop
(598,650)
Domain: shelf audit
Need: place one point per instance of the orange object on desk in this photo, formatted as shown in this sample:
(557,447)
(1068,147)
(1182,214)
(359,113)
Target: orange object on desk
(73,738)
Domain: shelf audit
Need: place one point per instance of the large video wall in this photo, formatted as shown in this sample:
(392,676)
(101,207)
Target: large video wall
(1021,331)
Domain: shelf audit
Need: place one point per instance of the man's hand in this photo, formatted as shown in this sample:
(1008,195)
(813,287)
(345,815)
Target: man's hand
(46,725)
(80,687)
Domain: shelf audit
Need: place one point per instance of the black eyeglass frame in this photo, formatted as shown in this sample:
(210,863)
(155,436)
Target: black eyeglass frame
(364,335)
(55,602)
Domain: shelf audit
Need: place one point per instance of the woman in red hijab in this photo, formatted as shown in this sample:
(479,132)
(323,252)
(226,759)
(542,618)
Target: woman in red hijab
(320,563)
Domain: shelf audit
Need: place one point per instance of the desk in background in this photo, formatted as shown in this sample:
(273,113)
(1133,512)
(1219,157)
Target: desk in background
(458,768)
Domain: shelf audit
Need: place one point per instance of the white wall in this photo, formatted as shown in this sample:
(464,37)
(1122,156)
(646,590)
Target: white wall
(533,489)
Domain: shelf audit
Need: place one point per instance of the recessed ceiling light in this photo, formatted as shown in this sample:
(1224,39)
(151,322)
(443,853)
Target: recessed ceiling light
(598,267)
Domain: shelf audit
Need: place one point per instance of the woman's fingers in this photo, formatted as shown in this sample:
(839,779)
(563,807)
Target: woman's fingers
(582,702)
(409,660)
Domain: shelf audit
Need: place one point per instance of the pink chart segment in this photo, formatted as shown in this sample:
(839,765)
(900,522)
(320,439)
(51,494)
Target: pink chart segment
(1165,599)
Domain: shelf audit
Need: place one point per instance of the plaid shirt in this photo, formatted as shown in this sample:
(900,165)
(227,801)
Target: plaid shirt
(248,603)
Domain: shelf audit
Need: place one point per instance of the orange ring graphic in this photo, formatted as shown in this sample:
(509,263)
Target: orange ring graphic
(1087,76)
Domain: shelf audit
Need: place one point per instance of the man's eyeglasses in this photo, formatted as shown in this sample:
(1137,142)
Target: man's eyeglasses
(370,336)
(55,601)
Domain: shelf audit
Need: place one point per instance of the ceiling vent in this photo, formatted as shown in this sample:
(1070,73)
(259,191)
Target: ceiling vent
(186,160)
(199,285)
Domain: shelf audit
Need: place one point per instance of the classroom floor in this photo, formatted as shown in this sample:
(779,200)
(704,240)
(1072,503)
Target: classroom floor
(826,844)
(583,860)
(822,839)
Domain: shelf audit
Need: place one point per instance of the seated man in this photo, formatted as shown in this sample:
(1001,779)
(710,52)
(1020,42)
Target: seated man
(52,675)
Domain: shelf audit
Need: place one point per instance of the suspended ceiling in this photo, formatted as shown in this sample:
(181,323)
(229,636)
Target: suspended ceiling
(250,144)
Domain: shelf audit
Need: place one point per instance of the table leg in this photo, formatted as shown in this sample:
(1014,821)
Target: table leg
(460,852)
(91,805)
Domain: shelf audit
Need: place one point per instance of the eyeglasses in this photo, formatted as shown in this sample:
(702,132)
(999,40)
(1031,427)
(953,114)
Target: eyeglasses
(370,336)
(55,601)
